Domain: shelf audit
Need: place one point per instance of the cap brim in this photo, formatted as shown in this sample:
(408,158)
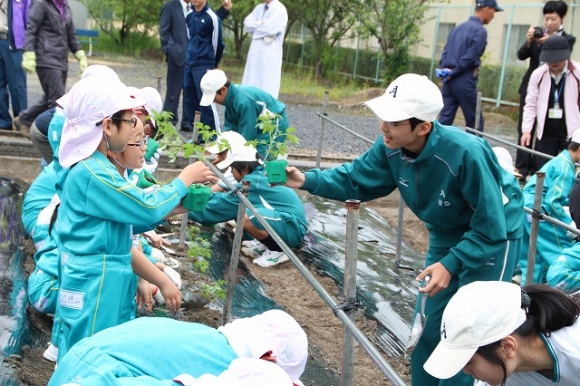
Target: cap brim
(207,99)
(224,164)
(386,109)
(443,363)
(498,9)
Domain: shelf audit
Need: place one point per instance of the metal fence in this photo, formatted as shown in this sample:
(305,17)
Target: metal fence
(360,58)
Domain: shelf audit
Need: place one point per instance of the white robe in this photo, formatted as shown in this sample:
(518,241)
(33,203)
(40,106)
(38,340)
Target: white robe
(264,63)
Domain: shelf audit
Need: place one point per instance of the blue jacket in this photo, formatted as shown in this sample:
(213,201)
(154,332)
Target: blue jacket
(206,44)
(453,186)
(464,47)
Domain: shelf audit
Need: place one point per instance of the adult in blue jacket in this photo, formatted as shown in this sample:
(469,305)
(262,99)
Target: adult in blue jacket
(449,179)
(204,52)
(552,239)
(173,35)
(462,55)
(244,105)
(12,76)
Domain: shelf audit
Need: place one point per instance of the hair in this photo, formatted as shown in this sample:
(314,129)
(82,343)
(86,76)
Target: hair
(227,85)
(549,310)
(116,118)
(247,166)
(573,146)
(414,122)
(559,7)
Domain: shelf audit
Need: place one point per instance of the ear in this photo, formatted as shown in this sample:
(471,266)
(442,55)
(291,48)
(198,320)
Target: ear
(107,126)
(509,346)
(424,128)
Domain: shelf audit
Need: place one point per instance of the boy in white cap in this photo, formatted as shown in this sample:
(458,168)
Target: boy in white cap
(243,106)
(131,354)
(100,211)
(552,239)
(279,205)
(449,179)
(503,335)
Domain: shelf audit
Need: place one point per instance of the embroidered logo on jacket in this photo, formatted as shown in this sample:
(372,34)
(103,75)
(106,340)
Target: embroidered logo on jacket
(404,182)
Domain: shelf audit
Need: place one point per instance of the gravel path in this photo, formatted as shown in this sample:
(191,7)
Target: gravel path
(302,114)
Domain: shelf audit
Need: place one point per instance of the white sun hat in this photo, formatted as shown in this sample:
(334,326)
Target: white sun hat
(230,136)
(86,104)
(408,96)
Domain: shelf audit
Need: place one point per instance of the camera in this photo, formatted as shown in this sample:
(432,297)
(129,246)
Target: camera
(538,32)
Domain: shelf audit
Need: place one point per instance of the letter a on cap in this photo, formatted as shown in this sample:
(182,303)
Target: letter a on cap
(394,91)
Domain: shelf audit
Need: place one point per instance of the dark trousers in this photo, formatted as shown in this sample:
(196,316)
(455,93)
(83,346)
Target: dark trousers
(460,92)
(525,162)
(192,95)
(552,143)
(12,84)
(173,94)
(53,82)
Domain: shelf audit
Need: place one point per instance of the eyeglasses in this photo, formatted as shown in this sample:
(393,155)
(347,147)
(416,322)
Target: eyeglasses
(392,125)
(132,121)
(141,144)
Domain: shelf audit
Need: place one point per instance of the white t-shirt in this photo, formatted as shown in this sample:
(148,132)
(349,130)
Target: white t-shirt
(564,347)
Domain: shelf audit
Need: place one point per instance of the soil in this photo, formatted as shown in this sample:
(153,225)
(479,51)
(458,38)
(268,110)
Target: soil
(288,288)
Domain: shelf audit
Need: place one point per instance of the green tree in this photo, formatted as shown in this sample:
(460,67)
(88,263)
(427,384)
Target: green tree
(118,18)
(328,21)
(395,23)
(235,21)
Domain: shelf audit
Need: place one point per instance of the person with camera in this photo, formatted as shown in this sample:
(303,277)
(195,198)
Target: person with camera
(554,13)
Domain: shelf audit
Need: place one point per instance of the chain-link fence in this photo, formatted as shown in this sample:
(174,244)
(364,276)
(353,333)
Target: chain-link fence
(501,73)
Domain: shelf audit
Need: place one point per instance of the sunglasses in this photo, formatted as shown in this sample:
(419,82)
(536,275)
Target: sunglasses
(141,144)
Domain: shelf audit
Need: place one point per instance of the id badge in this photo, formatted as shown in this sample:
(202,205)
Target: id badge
(555,113)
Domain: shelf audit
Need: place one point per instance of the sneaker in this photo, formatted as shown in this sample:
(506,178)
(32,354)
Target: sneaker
(251,243)
(51,353)
(231,223)
(271,258)
(24,130)
(254,251)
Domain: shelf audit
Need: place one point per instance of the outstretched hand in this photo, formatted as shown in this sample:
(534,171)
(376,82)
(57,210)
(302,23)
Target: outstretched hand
(294,177)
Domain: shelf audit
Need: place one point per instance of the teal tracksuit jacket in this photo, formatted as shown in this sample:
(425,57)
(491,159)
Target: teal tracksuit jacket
(173,348)
(242,112)
(552,240)
(457,188)
(99,211)
(279,205)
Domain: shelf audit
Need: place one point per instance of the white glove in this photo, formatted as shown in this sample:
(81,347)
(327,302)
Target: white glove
(173,276)
(158,255)
(151,165)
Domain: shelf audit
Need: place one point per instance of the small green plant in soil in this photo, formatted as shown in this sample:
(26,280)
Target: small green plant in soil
(217,289)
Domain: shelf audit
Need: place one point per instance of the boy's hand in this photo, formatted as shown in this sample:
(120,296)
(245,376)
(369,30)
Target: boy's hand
(440,278)
(294,177)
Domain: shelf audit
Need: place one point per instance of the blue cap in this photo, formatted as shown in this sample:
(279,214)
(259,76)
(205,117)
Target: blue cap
(488,3)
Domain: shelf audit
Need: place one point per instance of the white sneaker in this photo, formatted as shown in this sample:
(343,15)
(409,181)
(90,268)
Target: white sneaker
(231,223)
(51,353)
(271,258)
(255,250)
(251,243)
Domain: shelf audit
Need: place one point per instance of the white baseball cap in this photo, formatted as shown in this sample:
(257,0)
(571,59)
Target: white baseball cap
(480,313)
(408,96)
(239,152)
(230,136)
(210,83)
(100,70)
(87,103)
(505,160)
(274,331)
(576,136)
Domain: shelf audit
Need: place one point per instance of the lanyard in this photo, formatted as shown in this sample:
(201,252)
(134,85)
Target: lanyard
(558,92)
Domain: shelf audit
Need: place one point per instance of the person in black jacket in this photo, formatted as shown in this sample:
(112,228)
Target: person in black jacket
(554,13)
(173,34)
